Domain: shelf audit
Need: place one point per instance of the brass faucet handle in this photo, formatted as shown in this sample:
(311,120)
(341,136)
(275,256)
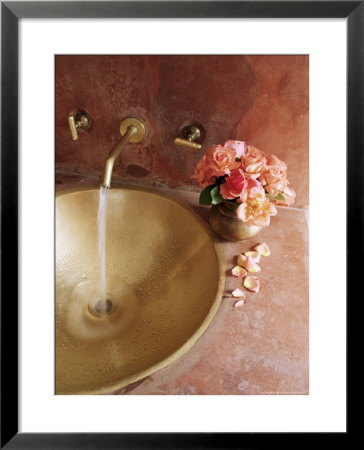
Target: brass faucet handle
(191,134)
(78,120)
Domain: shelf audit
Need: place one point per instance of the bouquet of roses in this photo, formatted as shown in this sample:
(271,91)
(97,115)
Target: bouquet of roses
(245,177)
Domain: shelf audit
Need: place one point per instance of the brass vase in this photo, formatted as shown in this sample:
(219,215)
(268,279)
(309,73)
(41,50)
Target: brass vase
(225,223)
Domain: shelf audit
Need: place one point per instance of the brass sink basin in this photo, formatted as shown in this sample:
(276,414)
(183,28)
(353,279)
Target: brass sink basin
(164,272)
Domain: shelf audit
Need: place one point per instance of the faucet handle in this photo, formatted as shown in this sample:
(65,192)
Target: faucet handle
(191,133)
(78,120)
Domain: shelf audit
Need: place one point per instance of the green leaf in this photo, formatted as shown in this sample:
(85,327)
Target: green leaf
(279,197)
(205,195)
(216,196)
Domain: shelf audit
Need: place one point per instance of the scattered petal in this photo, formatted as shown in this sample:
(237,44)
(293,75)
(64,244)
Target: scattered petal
(241,259)
(238,271)
(263,249)
(251,283)
(239,293)
(254,255)
(251,266)
(239,304)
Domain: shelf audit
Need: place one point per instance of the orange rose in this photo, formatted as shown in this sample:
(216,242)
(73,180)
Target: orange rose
(274,180)
(221,160)
(275,170)
(254,161)
(203,173)
(274,162)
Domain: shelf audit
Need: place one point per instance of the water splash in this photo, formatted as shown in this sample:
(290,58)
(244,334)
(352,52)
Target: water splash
(101,228)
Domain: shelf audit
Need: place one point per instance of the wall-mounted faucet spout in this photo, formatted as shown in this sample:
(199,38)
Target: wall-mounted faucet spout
(133,131)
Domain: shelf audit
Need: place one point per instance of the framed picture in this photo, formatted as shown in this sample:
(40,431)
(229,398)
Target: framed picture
(15,181)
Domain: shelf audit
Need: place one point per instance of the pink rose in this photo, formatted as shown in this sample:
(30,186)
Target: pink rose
(234,184)
(281,187)
(255,209)
(275,170)
(252,189)
(289,195)
(203,173)
(274,180)
(273,176)
(248,169)
(221,160)
(276,163)
(238,146)
(254,161)
(276,187)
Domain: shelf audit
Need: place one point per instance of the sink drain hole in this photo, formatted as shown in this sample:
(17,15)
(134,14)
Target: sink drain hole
(101,308)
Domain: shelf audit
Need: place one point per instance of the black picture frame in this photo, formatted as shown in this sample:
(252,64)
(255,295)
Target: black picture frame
(11,12)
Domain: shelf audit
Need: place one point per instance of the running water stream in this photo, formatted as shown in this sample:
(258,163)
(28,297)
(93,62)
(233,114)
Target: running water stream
(101,228)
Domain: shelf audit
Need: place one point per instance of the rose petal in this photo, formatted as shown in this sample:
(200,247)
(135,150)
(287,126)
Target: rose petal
(238,146)
(241,259)
(238,271)
(251,283)
(263,249)
(238,293)
(255,256)
(239,304)
(250,265)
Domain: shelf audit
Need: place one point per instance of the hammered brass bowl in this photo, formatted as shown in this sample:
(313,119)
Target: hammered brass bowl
(164,272)
(224,221)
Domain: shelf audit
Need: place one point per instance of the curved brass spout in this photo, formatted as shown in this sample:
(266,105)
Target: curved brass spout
(109,165)
(132,130)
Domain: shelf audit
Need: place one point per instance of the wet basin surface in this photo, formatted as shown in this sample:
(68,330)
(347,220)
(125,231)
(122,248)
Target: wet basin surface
(164,278)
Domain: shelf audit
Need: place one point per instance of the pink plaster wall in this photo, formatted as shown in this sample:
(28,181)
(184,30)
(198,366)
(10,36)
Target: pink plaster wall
(260,99)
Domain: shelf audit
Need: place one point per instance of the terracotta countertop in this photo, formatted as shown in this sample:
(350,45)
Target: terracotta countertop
(260,348)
